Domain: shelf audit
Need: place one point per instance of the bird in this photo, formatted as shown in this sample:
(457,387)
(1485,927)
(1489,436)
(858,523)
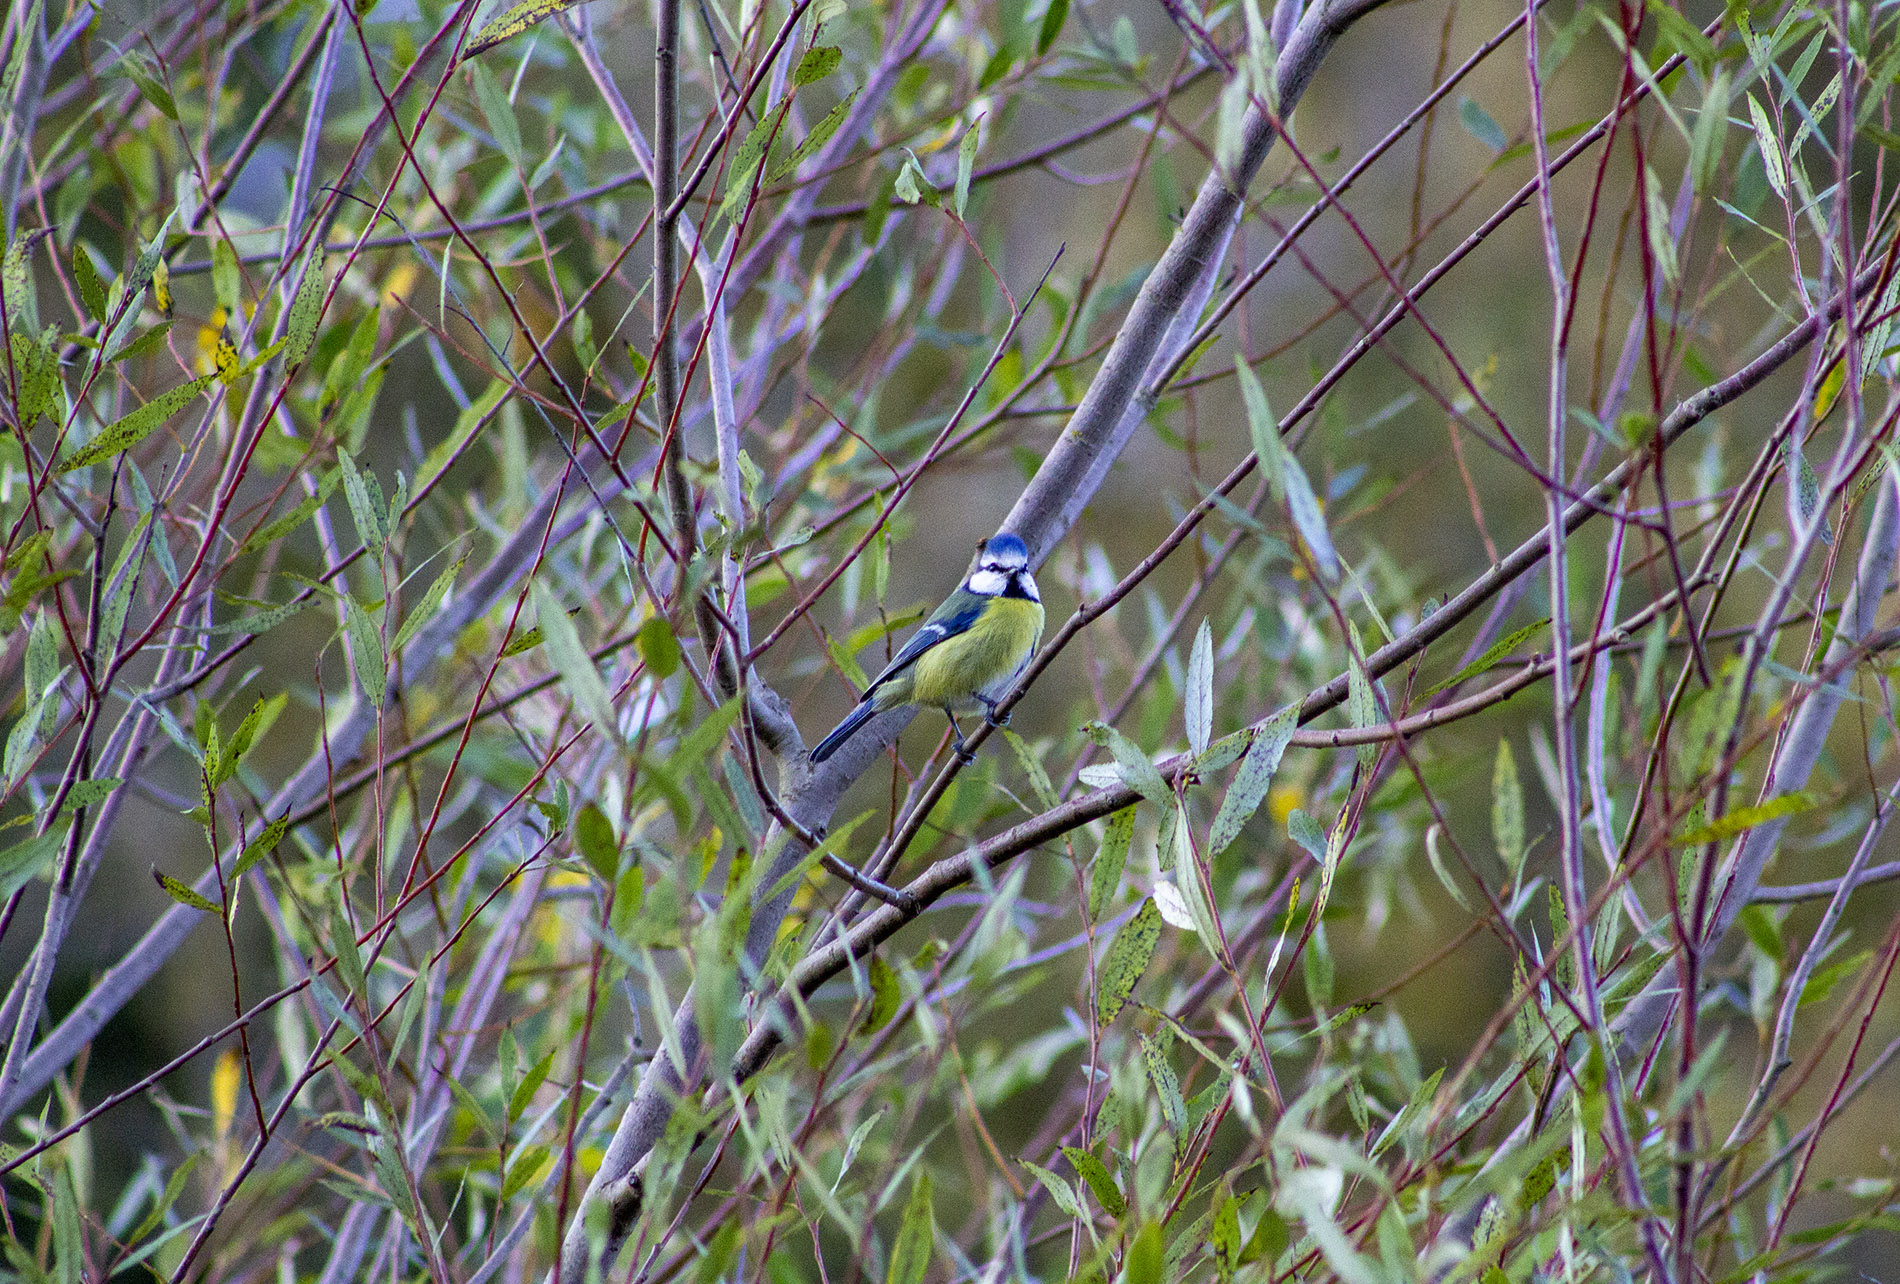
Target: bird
(969,650)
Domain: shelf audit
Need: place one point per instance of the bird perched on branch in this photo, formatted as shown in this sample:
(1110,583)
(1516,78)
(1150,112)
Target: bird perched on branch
(968,651)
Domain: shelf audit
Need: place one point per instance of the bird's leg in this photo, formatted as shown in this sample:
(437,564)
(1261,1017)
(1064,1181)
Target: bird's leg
(963,753)
(989,707)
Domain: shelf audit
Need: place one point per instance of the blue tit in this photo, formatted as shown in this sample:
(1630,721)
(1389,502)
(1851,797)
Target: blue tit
(968,651)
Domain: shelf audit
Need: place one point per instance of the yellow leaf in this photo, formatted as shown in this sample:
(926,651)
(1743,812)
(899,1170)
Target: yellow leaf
(162,286)
(226,1074)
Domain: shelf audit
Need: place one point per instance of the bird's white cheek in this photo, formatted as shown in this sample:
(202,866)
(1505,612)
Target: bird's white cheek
(988,583)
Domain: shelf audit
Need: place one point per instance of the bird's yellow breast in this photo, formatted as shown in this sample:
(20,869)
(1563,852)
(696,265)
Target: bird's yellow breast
(983,658)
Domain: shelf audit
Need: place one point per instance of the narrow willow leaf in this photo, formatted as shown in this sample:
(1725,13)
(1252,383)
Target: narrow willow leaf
(746,162)
(659,647)
(1493,653)
(1052,19)
(88,792)
(1059,1190)
(1128,957)
(966,165)
(1362,705)
(916,1236)
(1167,1086)
(92,290)
(367,658)
(1507,810)
(1092,1171)
(1252,780)
(282,526)
(349,961)
(226,281)
(259,623)
(183,894)
(1107,875)
(367,509)
(1478,123)
(584,684)
(1772,163)
(820,134)
(886,995)
(125,433)
(498,112)
(21,863)
(1032,768)
(816,64)
(36,366)
(515,21)
(1744,818)
(1224,1239)
(261,846)
(431,603)
(306,310)
(1137,770)
(1198,712)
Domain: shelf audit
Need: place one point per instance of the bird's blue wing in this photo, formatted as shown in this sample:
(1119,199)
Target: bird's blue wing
(937,629)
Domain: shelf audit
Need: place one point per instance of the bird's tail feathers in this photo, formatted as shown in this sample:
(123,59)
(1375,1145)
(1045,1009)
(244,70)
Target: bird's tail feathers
(844,731)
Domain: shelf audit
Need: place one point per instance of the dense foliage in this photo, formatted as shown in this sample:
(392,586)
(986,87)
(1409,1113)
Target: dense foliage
(1441,837)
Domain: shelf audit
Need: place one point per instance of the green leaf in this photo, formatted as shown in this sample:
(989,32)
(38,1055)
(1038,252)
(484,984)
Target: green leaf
(817,63)
(1766,141)
(1225,1239)
(1743,818)
(497,111)
(125,433)
(261,846)
(1091,1170)
(306,310)
(21,863)
(88,792)
(1107,875)
(886,994)
(1507,810)
(1822,983)
(594,836)
(966,164)
(1146,1261)
(1362,705)
(349,961)
(183,894)
(92,290)
(1495,652)
(522,1169)
(1059,1190)
(1477,121)
(1284,475)
(143,73)
(1154,1057)
(659,647)
(584,684)
(746,162)
(1128,957)
(226,281)
(515,21)
(36,366)
(1678,33)
(1253,779)
(820,134)
(367,657)
(1198,708)
(916,1236)
(431,603)
(1052,19)
(1137,771)
(523,1095)
(913,186)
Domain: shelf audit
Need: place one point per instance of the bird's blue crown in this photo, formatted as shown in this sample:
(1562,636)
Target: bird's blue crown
(1006,545)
